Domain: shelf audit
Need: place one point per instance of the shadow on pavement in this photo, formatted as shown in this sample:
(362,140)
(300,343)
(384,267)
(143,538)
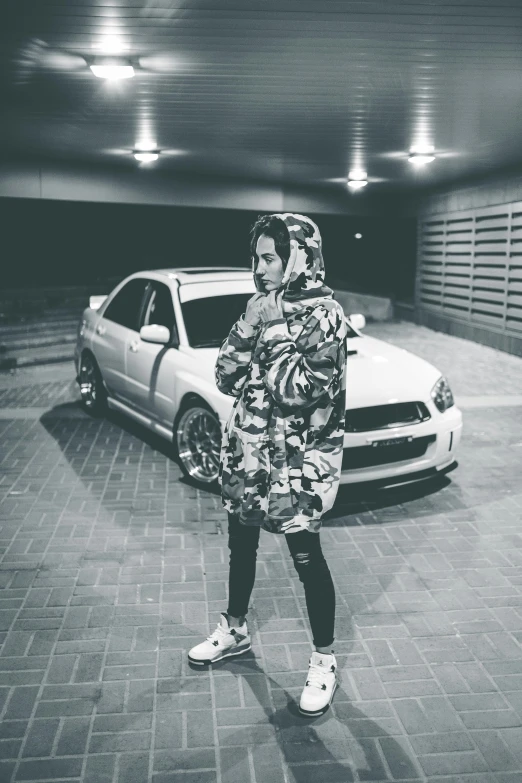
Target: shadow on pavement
(354,736)
(300,739)
(74,410)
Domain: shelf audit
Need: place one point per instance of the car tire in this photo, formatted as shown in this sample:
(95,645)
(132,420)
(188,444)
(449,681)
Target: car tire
(197,443)
(92,389)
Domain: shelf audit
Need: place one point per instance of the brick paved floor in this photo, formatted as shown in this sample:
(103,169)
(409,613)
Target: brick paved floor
(112,567)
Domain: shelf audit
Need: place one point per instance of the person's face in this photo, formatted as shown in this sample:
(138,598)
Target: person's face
(270,266)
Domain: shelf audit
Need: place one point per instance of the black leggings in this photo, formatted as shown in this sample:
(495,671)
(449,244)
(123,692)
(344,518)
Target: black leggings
(312,568)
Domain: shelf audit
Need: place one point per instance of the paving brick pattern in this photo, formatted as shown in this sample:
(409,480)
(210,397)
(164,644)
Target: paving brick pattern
(112,567)
(36,395)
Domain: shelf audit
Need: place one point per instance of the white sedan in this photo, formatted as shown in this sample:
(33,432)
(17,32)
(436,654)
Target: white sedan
(149,348)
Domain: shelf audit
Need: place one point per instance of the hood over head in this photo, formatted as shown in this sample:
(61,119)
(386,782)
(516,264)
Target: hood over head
(303,279)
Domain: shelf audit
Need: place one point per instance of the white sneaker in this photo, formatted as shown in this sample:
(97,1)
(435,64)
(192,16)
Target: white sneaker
(320,685)
(223,643)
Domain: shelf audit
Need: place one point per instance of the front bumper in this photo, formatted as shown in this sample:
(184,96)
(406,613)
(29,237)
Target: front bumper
(405,478)
(443,429)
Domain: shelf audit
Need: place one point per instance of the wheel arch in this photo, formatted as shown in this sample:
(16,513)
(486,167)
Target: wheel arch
(95,404)
(90,352)
(187,401)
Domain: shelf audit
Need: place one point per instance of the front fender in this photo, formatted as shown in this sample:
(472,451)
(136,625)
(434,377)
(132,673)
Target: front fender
(189,384)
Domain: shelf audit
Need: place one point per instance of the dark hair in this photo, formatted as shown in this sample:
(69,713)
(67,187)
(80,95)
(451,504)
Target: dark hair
(273,227)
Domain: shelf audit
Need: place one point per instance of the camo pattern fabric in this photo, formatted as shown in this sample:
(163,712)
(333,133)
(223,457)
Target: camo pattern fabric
(282,447)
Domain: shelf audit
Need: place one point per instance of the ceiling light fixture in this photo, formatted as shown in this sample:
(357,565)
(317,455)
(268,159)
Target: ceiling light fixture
(421,152)
(357,179)
(423,148)
(112,68)
(421,159)
(110,44)
(146,157)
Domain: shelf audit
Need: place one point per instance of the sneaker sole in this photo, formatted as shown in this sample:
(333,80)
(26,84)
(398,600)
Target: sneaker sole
(215,660)
(310,714)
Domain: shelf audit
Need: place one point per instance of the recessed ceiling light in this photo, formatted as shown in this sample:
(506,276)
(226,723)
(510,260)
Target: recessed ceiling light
(357,179)
(110,44)
(110,68)
(422,149)
(146,146)
(146,157)
(358,236)
(421,159)
(357,174)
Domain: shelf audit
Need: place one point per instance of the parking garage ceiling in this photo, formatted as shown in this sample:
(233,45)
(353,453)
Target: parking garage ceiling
(287,91)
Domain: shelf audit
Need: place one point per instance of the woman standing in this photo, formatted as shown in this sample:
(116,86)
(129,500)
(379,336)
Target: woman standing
(284,362)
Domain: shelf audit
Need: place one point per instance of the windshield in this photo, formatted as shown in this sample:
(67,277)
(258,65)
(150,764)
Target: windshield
(208,321)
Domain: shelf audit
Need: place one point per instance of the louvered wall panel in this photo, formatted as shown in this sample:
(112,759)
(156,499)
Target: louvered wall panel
(514,271)
(470,269)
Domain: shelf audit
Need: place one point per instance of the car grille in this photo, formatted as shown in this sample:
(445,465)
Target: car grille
(382,417)
(369,456)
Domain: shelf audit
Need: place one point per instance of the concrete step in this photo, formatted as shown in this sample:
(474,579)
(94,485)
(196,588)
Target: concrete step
(38,341)
(37,355)
(40,326)
(41,339)
(48,313)
(20,302)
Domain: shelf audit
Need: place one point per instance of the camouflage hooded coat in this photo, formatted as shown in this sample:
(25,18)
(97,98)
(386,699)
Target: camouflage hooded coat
(283,443)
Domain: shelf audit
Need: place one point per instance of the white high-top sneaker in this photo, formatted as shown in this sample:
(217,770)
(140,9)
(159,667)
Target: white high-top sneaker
(320,685)
(224,642)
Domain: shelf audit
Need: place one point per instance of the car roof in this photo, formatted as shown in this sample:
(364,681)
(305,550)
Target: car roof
(205,274)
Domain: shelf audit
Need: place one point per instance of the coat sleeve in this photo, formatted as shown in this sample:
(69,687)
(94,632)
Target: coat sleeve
(234,358)
(298,374)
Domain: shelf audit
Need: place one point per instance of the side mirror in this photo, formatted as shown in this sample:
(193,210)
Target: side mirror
(357,320)
(155,334)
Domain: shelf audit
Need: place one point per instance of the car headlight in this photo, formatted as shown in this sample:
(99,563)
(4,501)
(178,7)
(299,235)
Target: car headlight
(442,396)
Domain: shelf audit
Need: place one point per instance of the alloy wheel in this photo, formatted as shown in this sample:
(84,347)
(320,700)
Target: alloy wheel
(198,438)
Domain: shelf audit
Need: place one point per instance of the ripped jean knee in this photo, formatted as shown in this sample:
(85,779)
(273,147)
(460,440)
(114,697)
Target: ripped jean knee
(310,565)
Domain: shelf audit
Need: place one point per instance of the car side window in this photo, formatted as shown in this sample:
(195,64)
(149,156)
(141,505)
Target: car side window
(160,309)
(125,308)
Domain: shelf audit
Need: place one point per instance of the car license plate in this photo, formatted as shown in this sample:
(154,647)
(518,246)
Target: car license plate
(392,441)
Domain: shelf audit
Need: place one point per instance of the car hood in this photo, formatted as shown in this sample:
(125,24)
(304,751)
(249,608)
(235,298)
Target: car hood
(379,373)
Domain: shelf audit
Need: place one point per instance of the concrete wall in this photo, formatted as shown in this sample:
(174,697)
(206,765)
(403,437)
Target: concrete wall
(60,180)
(66,242)
(499,188)
(374,308)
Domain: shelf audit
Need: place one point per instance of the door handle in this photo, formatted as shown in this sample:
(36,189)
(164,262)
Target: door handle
(100,329)
(133,346)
